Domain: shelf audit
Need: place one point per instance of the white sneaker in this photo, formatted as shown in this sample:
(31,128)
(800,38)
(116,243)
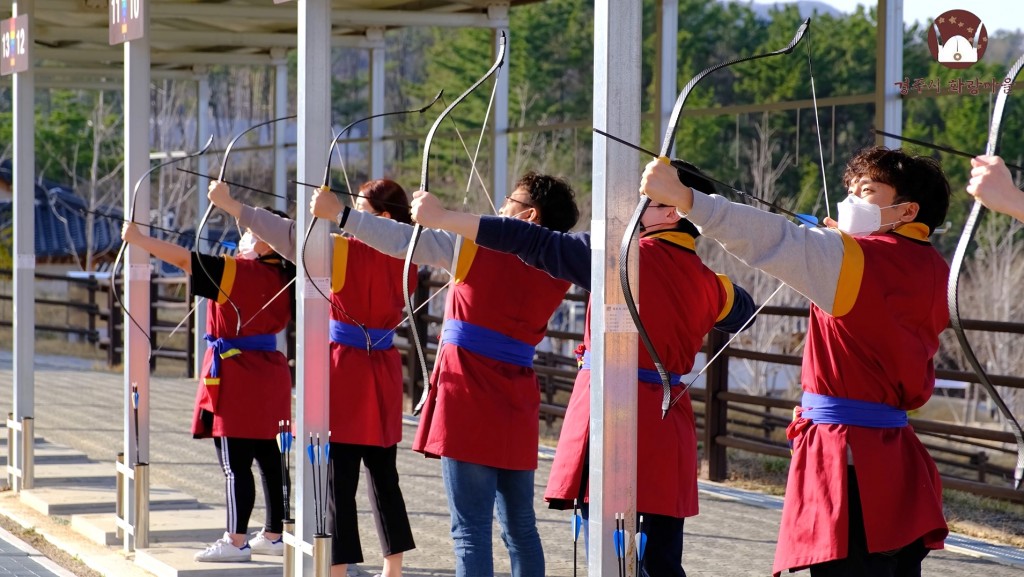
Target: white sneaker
(262,546)
(223,551)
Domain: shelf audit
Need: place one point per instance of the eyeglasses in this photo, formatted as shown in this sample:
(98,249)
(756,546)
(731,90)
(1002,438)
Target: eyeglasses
(510,198)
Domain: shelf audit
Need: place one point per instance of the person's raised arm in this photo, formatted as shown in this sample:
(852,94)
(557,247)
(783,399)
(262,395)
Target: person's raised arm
(168,252)
(277,231)
(562,255)
(435,247)
(992,185)
(807,259)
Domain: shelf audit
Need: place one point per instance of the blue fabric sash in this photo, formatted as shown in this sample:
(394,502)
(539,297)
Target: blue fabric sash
(353,336)
(645,375)
(224,348)
(825,410)
(488,343)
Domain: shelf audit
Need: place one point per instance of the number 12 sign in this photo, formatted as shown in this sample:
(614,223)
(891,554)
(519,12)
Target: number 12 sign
(126,19)
(15,45)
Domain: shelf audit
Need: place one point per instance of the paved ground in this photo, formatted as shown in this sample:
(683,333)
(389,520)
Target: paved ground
(20,560)
(82,408)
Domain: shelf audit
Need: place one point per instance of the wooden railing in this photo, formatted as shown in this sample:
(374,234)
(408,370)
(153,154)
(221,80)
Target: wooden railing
(971,457)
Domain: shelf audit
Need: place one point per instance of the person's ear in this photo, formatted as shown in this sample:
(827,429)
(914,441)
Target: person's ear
(909,211)
(385,214)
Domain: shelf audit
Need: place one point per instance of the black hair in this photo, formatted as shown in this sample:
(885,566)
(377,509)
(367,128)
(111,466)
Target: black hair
(554,198)
(916,179)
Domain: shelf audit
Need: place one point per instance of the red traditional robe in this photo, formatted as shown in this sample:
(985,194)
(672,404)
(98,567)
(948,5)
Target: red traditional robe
(366,388)
(254,389)
(877,346)
(680,301)
(481,410)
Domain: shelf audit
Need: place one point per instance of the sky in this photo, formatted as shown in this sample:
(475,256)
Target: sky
(996,14)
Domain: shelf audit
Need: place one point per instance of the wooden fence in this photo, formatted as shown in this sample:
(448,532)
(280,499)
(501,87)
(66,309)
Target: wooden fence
(973,458)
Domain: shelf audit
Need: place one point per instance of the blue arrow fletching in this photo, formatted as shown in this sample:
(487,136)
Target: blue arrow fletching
(288,437)
(309,453)
(619,545)
(808,219)
(577,523)
(641,545)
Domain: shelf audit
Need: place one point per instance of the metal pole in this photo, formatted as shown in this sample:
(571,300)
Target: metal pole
(613,392)
(28,453)
(499,130)
(137,273)
(668,35)
(141,475)
(280,129)
(377,76)
(312,378)
(322,555)
(205,126)
(23,383)
(889,70)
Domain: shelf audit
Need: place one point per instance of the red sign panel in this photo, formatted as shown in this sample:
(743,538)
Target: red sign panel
(15,45)
(126,19)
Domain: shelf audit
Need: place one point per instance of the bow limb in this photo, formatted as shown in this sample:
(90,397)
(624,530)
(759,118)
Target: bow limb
(327,187)
(417,229)
(131,218)
(209,211)
(953,289)
(634,221)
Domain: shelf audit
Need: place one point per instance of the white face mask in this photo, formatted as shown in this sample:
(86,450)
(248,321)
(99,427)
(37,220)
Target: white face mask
(247,247)
(858,217)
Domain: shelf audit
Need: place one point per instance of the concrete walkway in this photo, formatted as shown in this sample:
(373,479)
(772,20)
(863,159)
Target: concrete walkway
(19,559)
(733,536)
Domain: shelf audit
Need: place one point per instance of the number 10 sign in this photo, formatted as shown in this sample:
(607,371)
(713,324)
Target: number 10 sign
(15,45)
(126,20)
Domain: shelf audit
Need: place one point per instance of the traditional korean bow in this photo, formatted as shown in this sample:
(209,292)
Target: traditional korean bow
(131,218)
(417,229)
(209,211)
(634,222)
(953,289)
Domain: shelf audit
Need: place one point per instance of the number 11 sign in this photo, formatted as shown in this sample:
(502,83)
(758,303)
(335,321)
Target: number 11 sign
(126,19)
(14,38)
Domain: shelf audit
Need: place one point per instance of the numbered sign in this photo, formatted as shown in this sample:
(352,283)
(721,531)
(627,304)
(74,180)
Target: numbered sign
(126,18)
(15,41)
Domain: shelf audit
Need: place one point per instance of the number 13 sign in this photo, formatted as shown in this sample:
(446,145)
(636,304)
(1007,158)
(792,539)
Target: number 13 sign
(126,20)
(15,45)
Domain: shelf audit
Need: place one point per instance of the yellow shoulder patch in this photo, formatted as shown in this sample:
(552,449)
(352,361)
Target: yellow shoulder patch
(850,276)
(340,263)
(466,255)
(730,296)
(227,280)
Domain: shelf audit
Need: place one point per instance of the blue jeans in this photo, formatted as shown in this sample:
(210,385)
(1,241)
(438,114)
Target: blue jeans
(473,491)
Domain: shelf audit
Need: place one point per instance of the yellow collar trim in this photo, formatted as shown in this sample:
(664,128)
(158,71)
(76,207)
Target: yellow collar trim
(677,238)
(913,230)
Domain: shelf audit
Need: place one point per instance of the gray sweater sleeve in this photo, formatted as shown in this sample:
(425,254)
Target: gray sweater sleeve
(435,247)
(274,230)
(807,259)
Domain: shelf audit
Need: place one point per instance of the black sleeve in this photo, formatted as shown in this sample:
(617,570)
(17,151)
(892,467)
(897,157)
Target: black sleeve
(742,309)
(207,272)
